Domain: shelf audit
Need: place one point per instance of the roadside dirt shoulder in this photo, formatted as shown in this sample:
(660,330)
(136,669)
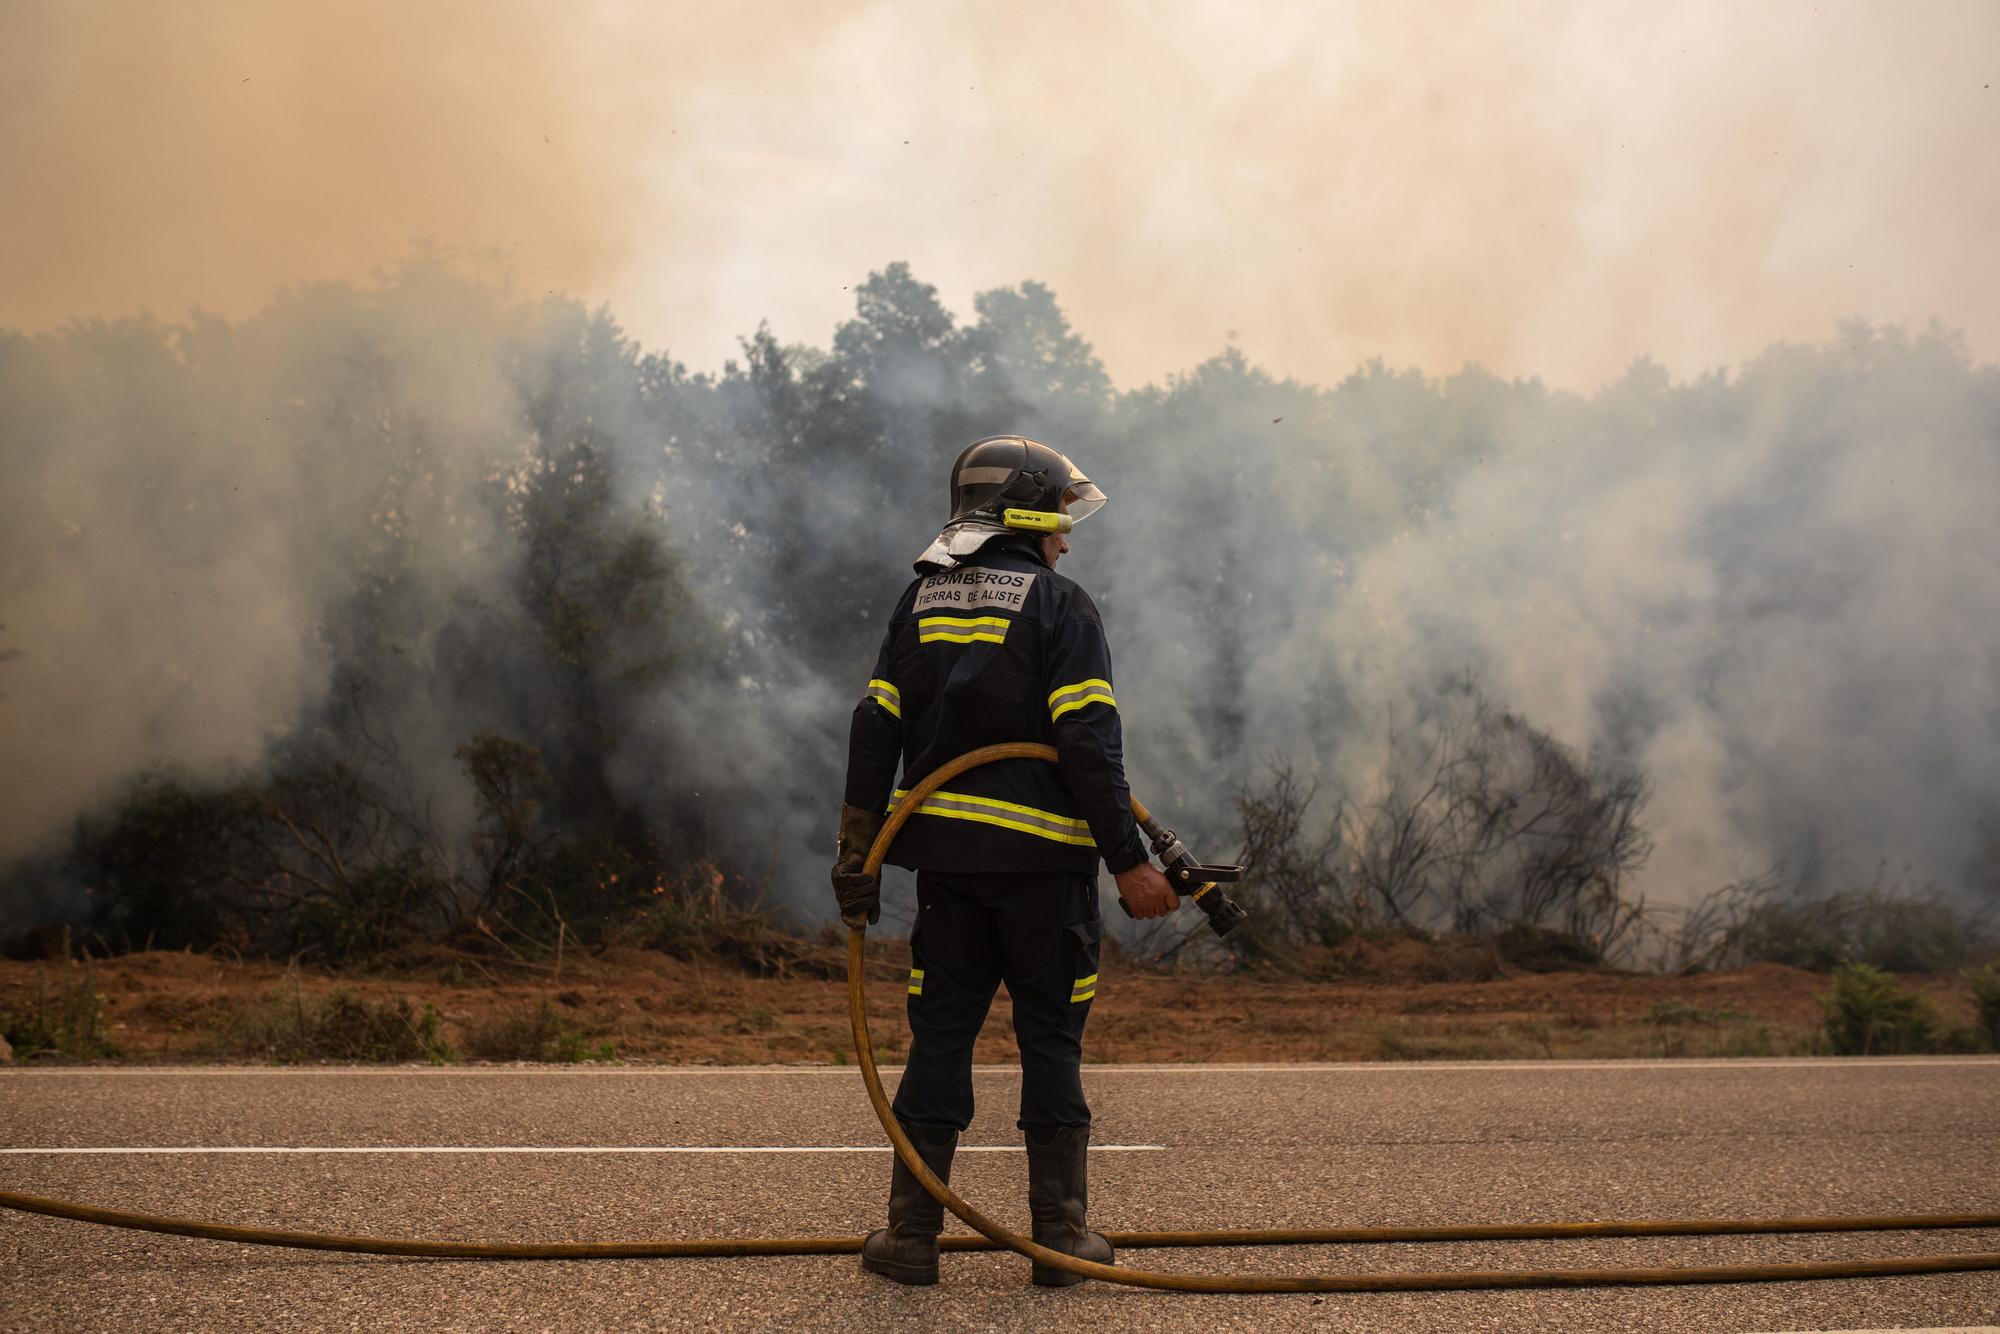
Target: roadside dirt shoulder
(639,1005)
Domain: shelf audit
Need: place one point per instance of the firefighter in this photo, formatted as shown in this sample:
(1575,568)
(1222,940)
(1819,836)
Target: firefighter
(989,644)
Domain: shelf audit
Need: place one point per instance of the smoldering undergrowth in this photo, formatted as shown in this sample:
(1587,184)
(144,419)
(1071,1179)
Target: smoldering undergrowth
(415,609)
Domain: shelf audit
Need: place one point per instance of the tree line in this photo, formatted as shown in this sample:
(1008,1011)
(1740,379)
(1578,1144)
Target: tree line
(522,632)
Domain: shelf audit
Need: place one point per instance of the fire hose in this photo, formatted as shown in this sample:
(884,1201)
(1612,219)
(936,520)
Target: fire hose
(993,1237)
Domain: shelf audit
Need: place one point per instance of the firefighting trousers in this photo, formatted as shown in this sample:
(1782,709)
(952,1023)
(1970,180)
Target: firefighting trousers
(1039,933)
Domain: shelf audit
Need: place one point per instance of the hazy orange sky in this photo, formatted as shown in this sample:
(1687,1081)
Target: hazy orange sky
(1547,188)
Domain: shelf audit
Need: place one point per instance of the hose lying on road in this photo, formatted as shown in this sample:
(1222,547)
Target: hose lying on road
(714,1247)
(1382,1282)
(992,1236)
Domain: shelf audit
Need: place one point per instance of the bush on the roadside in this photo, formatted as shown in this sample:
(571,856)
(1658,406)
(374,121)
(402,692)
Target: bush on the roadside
(1773,918)
(1870,1013)
(1985,984)
(535,1033)
(1675,1013)
(66,1020)
(161,862)
(1480,824)
(295,1027)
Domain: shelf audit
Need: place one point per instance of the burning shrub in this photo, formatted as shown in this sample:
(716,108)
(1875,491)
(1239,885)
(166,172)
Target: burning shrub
(1775,919)
(1479,824)
(161,866)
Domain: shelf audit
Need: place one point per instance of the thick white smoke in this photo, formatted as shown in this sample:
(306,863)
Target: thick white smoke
(1769,589)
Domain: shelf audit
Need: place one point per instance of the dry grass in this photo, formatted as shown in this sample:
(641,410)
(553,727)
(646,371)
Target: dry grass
(643,1005)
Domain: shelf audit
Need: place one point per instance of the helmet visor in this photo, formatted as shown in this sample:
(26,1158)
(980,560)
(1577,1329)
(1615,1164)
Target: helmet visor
(1083,499)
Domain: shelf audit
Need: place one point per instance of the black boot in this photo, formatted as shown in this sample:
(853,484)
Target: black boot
(907,1250)
(1058,1195)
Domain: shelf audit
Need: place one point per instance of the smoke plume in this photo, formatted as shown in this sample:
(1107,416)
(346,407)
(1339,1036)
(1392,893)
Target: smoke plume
(1550,189)
(1534,374)
(1766,590)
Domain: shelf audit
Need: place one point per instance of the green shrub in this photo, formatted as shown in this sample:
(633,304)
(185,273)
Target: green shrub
(571,1047)
(1985,984)
(66,1021)
(519,1035)
(341,1026)
(533,1034)
(1869,1013)
(1673,1013)
(759,1019)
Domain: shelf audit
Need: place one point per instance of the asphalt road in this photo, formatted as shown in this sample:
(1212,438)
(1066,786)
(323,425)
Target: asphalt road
(1238,1147)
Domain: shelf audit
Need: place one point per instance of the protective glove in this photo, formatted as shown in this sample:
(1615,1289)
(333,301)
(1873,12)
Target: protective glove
(860,895)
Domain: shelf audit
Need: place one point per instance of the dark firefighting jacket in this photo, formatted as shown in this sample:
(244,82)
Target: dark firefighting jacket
(1000,649)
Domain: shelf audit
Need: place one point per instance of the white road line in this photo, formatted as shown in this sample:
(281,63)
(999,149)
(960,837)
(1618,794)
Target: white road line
(1663,1065)
(1530,1067)
(540,1148)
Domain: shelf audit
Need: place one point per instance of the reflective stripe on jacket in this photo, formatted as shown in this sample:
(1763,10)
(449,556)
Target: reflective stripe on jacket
(1000,649)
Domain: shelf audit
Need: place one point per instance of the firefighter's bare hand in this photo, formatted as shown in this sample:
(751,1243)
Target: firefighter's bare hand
(1146,892)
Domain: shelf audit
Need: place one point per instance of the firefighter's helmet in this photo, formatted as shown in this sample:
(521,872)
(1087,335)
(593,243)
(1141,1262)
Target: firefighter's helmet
(1008,483)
